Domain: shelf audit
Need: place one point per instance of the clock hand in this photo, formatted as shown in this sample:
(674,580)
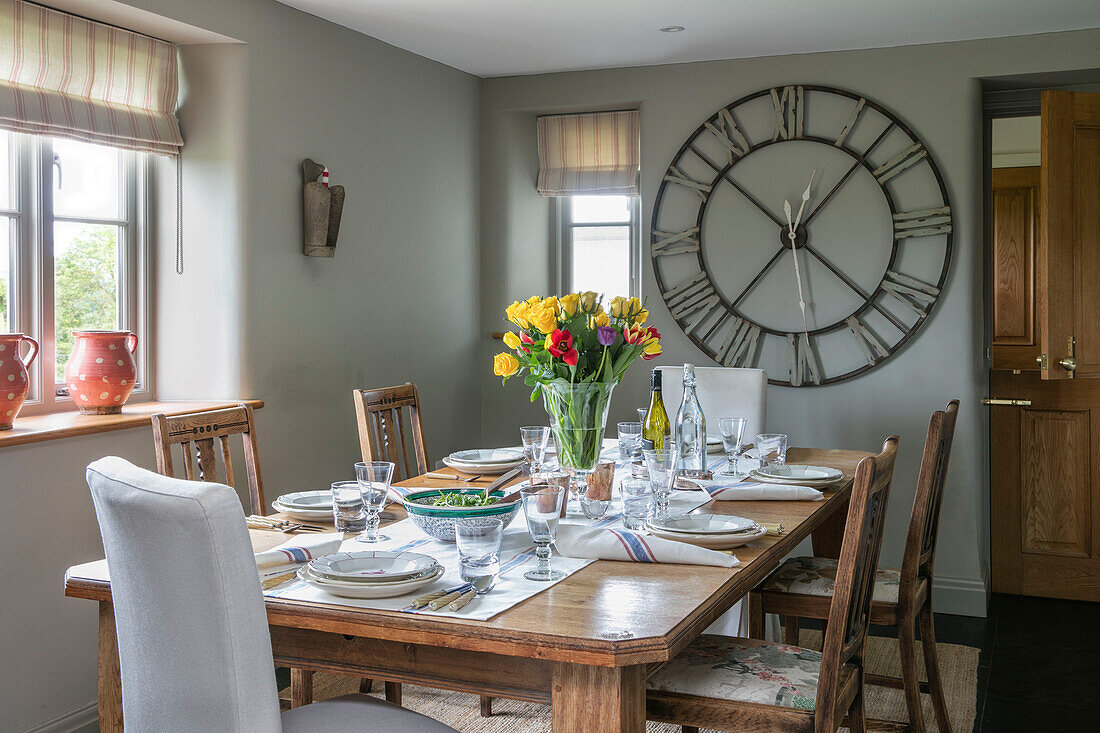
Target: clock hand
(805,198)
(792,235)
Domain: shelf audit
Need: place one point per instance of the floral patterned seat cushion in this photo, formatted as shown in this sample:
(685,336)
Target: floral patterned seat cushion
(816,576)
(747,670)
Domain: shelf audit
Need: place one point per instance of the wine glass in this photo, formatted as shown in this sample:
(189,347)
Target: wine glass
(733,432)
(374,484)
(534,439)
(662,474)
(542,508)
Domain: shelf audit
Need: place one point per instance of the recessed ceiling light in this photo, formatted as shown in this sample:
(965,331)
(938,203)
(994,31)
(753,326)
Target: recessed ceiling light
(672,29)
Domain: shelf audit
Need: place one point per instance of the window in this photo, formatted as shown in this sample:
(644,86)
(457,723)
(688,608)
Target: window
(74,251)
(600,245)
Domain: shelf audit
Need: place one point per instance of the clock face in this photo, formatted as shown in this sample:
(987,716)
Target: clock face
(815,280)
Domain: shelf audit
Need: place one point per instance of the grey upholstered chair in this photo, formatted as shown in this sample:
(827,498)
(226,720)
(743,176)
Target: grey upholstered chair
(193,640)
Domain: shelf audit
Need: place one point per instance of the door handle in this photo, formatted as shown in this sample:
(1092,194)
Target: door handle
(1070,362)
(1013,403)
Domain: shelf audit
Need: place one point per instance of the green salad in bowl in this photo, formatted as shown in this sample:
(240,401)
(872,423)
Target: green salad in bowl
(435,511)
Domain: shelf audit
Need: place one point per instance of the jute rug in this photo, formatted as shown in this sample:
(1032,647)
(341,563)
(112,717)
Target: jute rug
(958,668)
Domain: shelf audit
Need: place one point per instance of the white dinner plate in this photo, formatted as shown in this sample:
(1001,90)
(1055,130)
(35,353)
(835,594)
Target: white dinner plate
(709,524)
(372,565)
(303,515)
(488,468)
(818,484)
(482,457)
(368,590)
(710,541)
(308,500)
(799,473)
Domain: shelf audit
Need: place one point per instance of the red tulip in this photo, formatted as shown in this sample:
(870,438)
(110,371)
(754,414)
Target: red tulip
(560,342)
(571,357)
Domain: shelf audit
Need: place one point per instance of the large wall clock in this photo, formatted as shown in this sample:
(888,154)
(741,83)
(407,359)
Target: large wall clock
(804,230)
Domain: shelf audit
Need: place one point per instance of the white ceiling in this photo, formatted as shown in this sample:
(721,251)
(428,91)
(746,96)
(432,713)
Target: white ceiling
(505,37)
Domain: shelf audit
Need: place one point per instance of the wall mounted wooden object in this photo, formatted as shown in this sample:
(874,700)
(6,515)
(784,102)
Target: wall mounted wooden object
(321,209)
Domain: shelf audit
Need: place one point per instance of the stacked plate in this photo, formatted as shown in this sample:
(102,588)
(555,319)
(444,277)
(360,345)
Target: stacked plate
(812,476)
(485,461)
(371,573)
(306,506)
(715,531)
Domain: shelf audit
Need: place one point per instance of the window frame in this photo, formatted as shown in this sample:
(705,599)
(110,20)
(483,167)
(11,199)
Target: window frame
(32,265)
(563,235)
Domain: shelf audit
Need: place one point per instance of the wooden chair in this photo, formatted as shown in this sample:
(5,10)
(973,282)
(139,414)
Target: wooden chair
(732,683)
(802,587)
(383,428)
(198,430)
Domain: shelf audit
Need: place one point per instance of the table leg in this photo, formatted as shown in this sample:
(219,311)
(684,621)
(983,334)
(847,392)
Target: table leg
(606,699)
(109,675)
(829,535)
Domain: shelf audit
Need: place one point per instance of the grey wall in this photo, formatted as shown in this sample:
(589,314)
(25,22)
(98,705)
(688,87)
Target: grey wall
(936,90)
(253,317)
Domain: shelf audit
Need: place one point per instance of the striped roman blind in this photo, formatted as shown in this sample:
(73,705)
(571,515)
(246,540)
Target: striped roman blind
(66,76)
(589,153)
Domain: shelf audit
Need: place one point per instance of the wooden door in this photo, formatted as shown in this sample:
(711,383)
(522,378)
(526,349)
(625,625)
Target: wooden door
(1045,450)
(1069,250)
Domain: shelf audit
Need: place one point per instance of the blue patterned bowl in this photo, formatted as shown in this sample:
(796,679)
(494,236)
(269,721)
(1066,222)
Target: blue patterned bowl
(439,521)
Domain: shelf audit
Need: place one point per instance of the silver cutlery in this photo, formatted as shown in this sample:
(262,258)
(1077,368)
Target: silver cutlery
(450,477)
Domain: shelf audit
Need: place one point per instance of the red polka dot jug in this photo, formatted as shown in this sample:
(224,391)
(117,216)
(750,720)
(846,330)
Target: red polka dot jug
(100,373)
(13,375)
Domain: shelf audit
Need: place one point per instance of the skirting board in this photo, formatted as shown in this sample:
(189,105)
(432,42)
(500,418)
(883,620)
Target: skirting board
(960,596)
(81,720)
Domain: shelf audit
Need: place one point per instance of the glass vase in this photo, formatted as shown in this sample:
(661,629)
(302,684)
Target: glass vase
(578,414)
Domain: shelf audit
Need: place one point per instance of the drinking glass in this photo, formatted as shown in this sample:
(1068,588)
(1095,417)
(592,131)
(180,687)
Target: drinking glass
(559,478)
(637,497)
(596,498)
(733,431)
(630,440)
(347,507)
(542,508)
(641,414)
(534,439)
(662,474)
(772,449)
(374,485)
(478,543)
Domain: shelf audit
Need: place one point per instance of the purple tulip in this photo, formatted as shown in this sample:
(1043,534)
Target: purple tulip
(605,335)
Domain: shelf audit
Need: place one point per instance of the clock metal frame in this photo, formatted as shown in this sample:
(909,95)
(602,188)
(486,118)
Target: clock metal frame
(936,220)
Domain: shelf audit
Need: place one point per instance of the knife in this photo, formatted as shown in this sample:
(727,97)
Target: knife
(503,480)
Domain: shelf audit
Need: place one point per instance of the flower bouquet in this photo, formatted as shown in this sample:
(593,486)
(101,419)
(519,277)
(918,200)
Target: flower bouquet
(573,353)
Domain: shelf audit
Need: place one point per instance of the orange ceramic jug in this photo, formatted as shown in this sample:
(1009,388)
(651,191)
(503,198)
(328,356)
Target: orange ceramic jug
(100,373)
(13,375)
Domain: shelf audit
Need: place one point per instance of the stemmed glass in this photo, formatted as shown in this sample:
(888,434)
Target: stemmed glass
(542,508)
(374,484)
(733,432)
(662,474)
(534,439)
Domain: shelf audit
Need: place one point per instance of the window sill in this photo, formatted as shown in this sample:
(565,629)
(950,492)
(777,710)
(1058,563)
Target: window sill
(40,428)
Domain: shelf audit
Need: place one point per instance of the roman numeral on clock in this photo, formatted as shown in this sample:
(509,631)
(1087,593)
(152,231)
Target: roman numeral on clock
(699,301)
(739,346)
(675,243)
(915,294)
(922,223)
(729,135)
(789,113)
(869,345)
(904,160)
(700,189)
(852,119)
(801,360)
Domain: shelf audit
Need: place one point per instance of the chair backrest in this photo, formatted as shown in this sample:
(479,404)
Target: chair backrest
(198,430)
(920,544)
(384,429)
(855,578)
(193,642)
(722,392)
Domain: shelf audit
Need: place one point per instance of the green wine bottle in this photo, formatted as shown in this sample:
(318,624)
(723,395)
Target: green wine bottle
(655,427)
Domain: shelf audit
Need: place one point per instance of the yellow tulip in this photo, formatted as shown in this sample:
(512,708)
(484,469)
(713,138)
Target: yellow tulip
(511,340)
(533,299)
(588,301)
(569,304)
(542,318)
(643,315)
(552,304)
(634,307)
(652,348)
(618,307)
(505,365)
(517,314)
(600,319)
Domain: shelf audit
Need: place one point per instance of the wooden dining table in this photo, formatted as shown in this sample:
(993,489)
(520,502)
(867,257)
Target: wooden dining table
(585,644)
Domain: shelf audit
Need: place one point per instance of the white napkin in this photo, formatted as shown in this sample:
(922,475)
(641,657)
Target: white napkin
(575,540)
(733,490)
(295,552)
